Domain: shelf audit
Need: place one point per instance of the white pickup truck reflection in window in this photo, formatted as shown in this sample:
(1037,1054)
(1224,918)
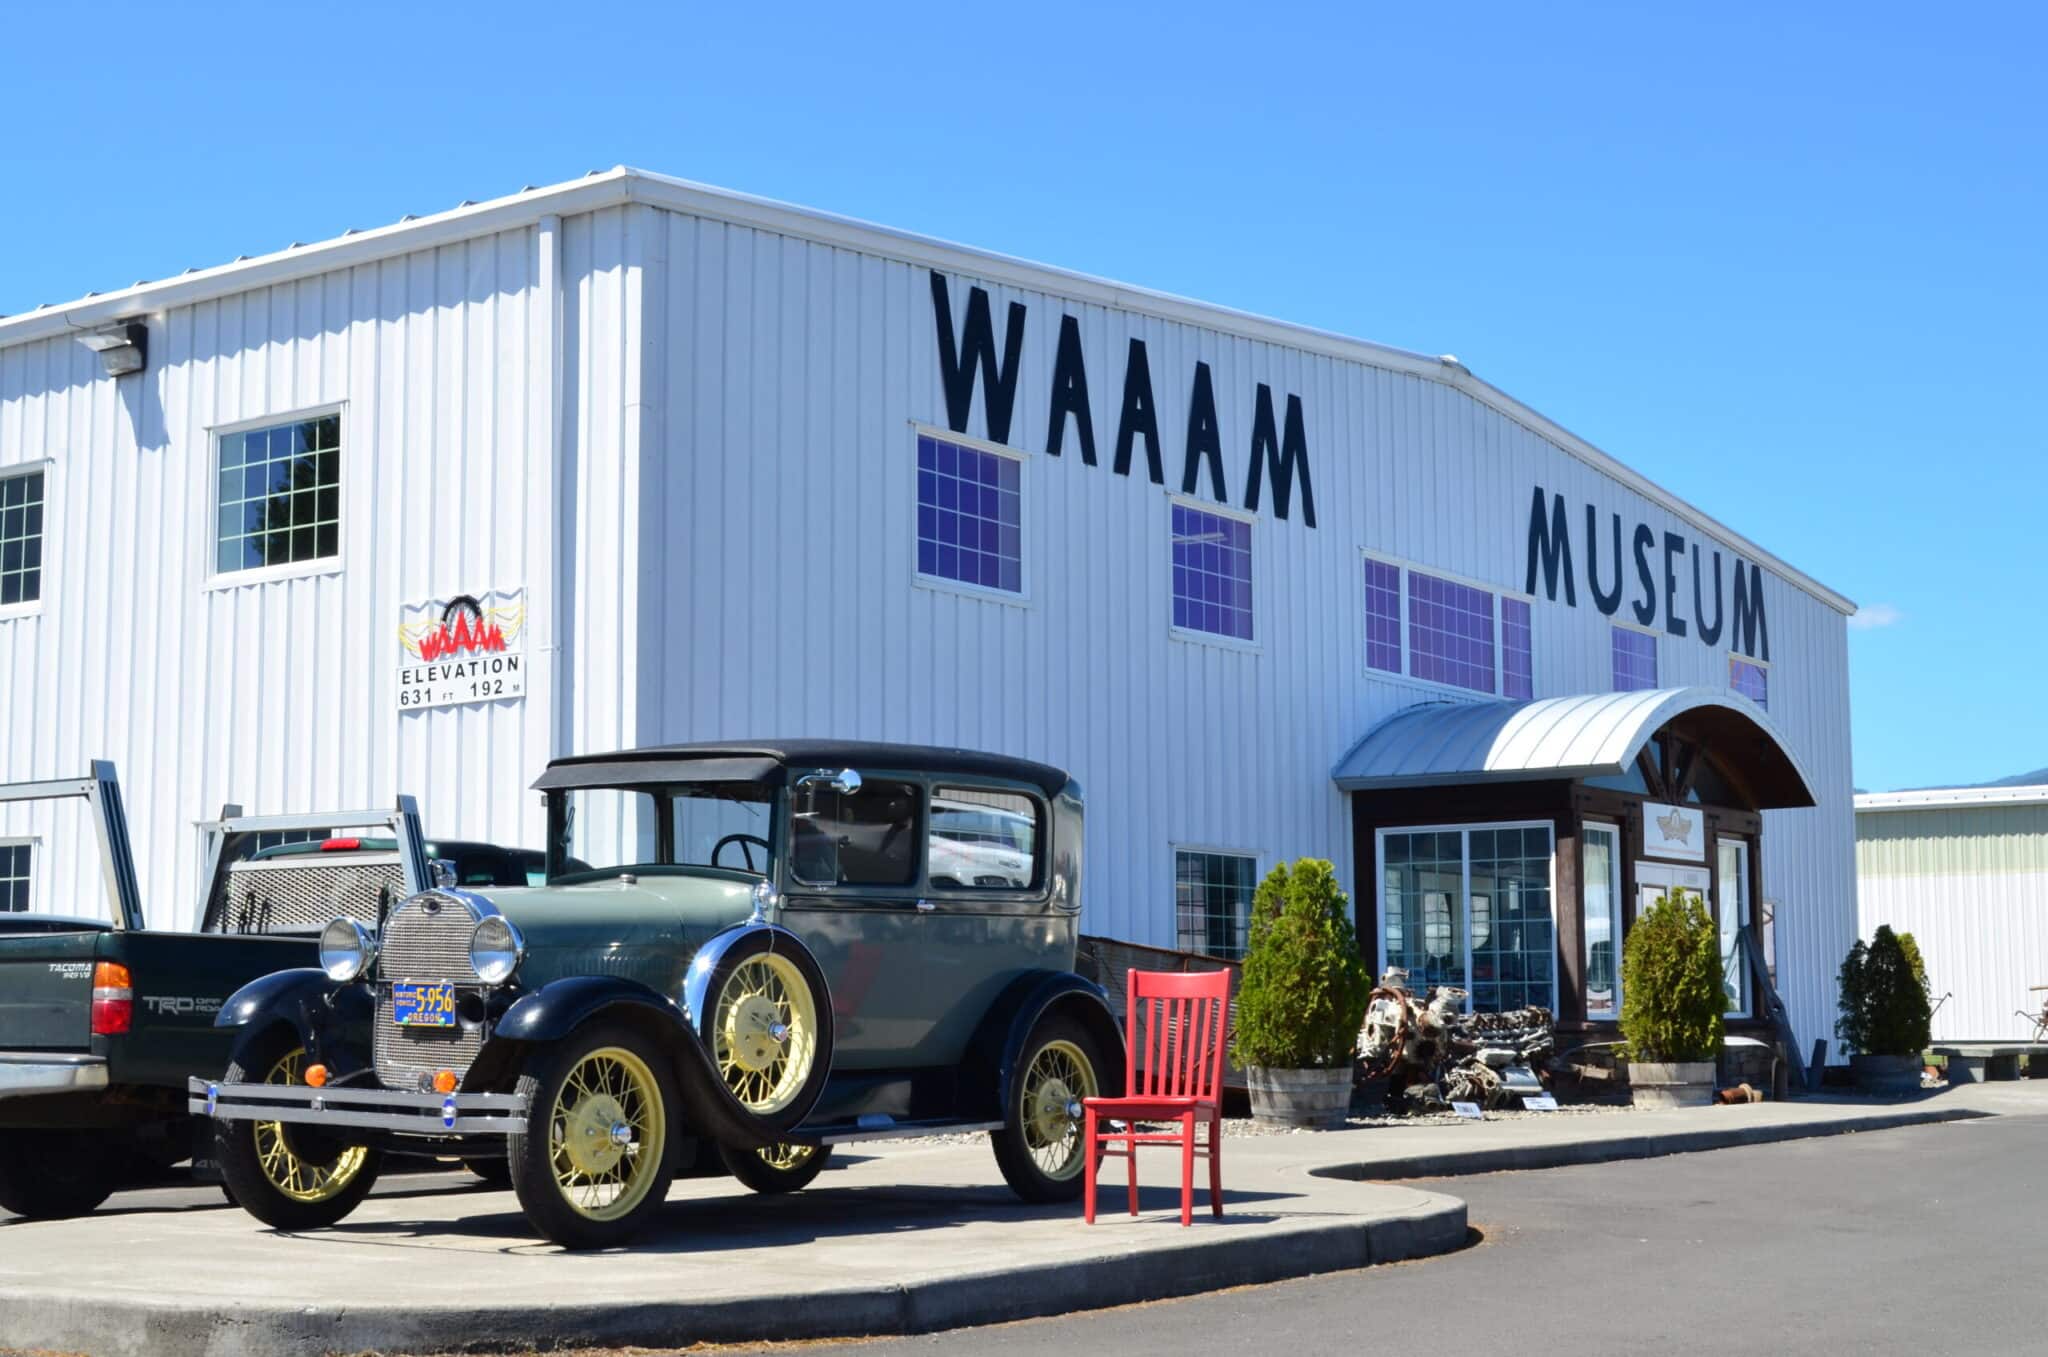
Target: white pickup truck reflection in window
(983,840)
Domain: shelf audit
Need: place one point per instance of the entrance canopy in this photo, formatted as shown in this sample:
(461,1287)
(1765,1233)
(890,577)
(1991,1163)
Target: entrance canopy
(1436,744)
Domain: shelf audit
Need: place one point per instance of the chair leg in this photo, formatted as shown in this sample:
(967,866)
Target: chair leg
(1091,1159)
(1216,1166)
(1187,1169)
(1131,1163)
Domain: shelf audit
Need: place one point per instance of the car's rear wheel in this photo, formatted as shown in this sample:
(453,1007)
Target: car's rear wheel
(292,1177)
(49,1174)
(768,1027)
(595,1160)
(1039,1148)
(776,1168)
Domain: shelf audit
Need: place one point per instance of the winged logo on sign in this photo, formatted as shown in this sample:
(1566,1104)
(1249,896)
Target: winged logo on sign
(1677,826)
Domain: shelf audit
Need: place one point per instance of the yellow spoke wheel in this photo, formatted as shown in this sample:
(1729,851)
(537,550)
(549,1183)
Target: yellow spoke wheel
(607,1134)
(293,1175)
(1059,1077)
(781,1167)
(1039,1148)
(764,1032)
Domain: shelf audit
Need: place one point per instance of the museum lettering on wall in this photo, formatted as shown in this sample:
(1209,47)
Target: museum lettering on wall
(1654,575)
(1277,444)
(463,649)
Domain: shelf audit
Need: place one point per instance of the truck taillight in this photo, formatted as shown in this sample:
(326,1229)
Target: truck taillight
(340,845)
(113,999)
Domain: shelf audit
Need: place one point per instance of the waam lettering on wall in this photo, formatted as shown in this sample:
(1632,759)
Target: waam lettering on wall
(1279,448)
(1657,577)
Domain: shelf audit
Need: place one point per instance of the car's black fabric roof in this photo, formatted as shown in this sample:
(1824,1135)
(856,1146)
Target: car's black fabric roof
(770,762)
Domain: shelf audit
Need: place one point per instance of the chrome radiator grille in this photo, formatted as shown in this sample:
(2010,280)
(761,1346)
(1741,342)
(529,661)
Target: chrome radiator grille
(403,1054)
(425,939)
(280,895)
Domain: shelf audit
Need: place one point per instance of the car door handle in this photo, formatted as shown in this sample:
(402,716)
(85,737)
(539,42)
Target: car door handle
(925,907)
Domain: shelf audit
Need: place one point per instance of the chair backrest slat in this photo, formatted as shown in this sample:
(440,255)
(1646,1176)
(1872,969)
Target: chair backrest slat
(1177,1033)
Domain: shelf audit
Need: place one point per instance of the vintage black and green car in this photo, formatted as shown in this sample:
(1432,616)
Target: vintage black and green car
(752,952)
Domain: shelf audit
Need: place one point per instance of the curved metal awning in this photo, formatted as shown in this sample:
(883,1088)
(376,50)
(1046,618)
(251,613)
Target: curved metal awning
(1437,744)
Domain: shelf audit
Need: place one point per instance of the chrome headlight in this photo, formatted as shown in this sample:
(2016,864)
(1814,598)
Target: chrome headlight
(495,949)
(346,950)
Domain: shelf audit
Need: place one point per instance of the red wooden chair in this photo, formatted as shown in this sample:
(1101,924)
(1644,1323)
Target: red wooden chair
(1177,1027)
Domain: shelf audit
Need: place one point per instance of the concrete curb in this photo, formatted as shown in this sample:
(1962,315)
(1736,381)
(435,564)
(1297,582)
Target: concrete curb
(1508,1158)
(121,1326)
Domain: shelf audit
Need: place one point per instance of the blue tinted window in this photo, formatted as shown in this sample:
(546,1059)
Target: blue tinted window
(1635,660)
(1750,679)
(968,516)
(1212,573)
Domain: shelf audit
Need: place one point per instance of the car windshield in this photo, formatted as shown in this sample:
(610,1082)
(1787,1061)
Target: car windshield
(712,824)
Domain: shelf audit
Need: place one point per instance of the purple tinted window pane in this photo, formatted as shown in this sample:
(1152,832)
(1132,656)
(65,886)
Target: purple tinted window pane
(967,516)
(1212,573)
(1635,660)
(1517,665)
(1383,616)
(1753,681)
(1450,633)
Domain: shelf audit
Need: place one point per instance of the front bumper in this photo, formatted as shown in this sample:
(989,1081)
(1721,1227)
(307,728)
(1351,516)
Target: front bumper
(426,1114)
(33,1074)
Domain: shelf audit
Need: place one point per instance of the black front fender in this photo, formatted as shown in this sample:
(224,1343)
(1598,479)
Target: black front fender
(998,1044)
(332,1020)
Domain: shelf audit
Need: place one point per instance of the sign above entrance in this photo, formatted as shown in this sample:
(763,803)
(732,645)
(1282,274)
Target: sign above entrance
(1674,832)
(464,649)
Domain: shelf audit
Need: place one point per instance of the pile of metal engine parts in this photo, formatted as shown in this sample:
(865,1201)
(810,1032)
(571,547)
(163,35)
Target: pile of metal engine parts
(1432,1053)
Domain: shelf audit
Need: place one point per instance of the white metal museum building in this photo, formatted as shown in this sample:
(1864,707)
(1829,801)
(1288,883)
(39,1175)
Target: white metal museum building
(630,461)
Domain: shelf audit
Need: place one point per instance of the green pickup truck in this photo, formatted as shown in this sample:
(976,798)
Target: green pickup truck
(102,1019)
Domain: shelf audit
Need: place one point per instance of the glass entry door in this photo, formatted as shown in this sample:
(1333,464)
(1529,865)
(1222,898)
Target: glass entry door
(1659,878)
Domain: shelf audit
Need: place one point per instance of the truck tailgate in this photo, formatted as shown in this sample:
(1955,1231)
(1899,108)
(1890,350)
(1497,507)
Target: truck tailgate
(180,981)
(46,990)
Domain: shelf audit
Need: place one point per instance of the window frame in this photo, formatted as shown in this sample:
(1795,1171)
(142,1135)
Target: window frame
(1745,912)
(944,584)
(1615,624)
(209,536)
(47,468)
(1616,915)
(1763,667)
(33,843)
(1174,851)
(1463,920)
(1041,866)
(1195,635)
(1406,673)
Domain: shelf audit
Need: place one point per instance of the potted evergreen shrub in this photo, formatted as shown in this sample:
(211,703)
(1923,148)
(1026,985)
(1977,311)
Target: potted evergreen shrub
(1671,1004)
(1302,998)
(1884,1018)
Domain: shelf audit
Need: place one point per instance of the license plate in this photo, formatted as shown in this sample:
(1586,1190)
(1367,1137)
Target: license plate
(417,1005)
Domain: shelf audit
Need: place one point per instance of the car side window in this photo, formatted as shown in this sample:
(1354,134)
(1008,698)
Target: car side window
(866,837)
(983,840)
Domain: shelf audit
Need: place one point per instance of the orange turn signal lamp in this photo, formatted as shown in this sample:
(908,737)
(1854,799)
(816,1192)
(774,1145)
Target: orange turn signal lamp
(444,1081)
(316,1076)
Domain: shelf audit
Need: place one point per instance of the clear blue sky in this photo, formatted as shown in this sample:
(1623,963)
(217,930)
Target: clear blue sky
(1789,263)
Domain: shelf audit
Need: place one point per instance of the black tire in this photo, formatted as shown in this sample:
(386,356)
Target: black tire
(779,1168)
(1024,1146)
(551,1164)
(785,1102)
(332,1173)
(496,1173)
(50,1174)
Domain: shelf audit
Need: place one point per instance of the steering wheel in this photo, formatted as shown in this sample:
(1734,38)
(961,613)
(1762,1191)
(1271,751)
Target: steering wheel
(746,842)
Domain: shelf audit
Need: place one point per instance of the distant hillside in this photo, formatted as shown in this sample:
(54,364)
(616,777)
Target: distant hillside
(2033,779)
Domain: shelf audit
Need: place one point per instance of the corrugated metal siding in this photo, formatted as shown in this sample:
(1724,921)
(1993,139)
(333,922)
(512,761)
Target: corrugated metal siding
(1971,886)
(281,695)
(793,373)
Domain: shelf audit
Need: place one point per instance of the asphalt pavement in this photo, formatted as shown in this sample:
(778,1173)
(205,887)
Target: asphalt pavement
(1925,1240)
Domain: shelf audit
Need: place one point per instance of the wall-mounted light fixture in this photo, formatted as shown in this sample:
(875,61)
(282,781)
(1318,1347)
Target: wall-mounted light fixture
(123,347)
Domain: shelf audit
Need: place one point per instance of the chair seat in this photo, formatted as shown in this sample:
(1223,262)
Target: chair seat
(1146,1109)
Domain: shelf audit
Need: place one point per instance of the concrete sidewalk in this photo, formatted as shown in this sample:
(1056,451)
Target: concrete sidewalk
(900,1239)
